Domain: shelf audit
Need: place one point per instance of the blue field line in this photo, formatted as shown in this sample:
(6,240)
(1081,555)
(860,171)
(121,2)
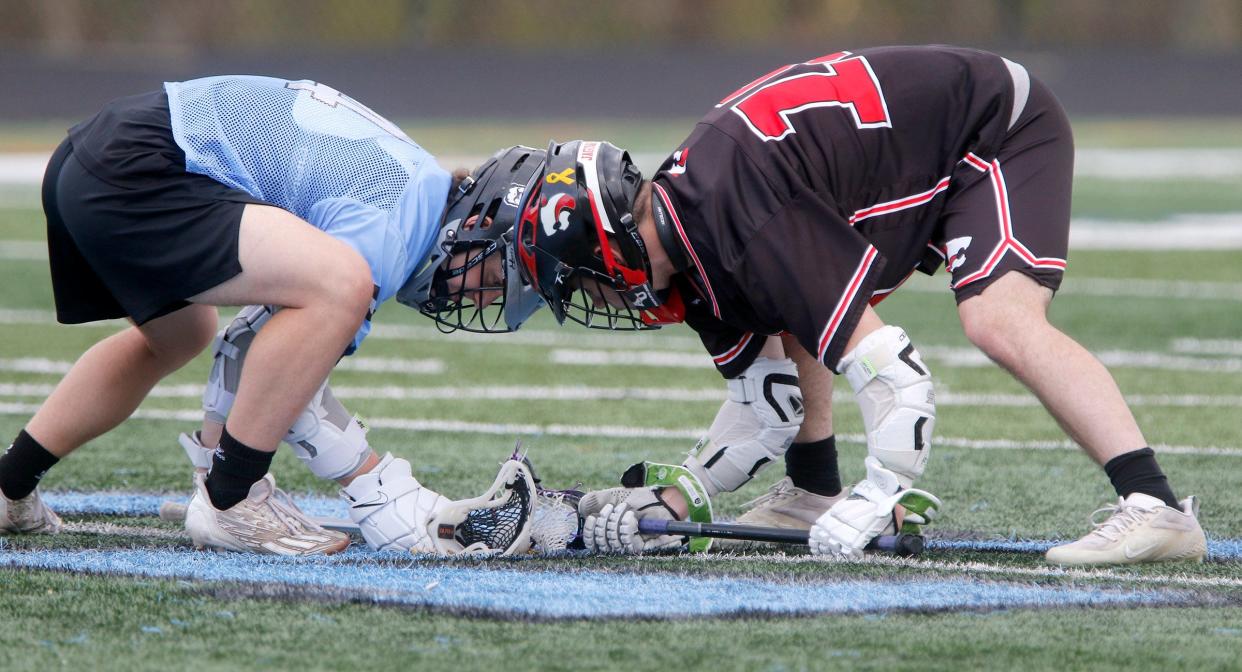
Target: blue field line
(577,594)
(145,504)
(1218,549)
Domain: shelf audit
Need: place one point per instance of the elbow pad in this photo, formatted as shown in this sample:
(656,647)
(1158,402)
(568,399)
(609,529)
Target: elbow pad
(754,427)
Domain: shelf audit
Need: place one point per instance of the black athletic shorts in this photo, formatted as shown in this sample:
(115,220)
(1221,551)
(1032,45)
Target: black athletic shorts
(130,233)
(1017,217)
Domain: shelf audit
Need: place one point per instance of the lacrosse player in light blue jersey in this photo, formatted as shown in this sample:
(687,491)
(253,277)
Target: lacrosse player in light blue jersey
(293,199)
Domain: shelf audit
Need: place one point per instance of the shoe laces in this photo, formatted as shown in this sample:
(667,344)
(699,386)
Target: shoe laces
(1119,519)
(780,491)
(281,505)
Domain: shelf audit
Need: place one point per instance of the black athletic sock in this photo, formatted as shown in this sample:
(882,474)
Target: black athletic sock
(1137,471)
(234,468)
(813,466)
(23,465)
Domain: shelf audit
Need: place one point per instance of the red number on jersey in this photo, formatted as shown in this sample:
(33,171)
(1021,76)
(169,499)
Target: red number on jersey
(836,80)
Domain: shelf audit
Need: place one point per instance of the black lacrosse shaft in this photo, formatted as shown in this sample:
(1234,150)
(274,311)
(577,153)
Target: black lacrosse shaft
(900,544)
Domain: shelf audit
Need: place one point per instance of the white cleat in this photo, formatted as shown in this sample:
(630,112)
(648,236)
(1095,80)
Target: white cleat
(28,515)
(786,506)
(266,521)
(1140,528)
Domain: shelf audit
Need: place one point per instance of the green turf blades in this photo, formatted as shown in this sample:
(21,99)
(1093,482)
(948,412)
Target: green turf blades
(658,475)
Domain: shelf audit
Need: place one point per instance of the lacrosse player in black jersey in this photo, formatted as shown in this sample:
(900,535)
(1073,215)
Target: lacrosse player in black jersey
(802,199)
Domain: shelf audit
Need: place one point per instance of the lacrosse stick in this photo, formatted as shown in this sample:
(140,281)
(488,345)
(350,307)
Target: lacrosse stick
(905,545)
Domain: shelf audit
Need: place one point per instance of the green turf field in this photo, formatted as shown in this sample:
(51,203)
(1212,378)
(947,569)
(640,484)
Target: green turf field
(1167,321)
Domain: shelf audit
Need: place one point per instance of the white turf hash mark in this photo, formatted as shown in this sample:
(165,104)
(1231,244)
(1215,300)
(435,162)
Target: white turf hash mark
(372,364)
(1124,575)
(571,393)
(626,432)
(1163,163)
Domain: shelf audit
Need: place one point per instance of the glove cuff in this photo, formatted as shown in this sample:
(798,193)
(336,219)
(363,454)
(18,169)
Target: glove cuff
(656,475)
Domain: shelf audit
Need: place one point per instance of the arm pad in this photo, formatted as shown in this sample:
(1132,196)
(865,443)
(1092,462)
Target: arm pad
(894,391)
(754,426)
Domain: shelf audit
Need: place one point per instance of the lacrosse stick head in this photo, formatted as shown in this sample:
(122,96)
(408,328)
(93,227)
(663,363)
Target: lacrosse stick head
(556,524)
(497,522)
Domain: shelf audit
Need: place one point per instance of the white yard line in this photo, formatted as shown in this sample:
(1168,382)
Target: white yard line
(947,355)
(572,393)
(1211,346)
(1158,163)
(1105,163)
(391,365)
(626,432)
(126,530)
(1120,575)
(23,250)
(1217,231)
(372,364)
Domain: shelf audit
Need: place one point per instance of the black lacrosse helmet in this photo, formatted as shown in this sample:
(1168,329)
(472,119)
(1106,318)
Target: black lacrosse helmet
(492,195)
(574,214)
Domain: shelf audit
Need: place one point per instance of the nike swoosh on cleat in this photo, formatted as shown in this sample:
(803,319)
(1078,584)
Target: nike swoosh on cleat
(1130,554)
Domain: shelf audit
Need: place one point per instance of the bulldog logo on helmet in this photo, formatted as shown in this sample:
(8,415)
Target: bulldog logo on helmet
(513,197)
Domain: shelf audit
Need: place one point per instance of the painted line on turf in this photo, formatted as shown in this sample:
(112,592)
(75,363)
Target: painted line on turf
(1207,346)
(947,355)
(368,364)
(1123,163)
(119,530)
(431,582)
(136,504)
(572,393)
(1232,550)
(627,432)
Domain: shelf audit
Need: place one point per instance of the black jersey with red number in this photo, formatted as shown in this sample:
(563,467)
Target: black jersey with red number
(817,187)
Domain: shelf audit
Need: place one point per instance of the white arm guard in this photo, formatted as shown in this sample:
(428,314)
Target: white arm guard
(228,353)
(894,391)
(754,426)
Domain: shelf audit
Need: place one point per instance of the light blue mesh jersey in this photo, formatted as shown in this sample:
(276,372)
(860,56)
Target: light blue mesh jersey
(321,155)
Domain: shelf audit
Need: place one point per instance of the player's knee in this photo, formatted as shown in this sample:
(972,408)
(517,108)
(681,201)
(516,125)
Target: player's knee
(194,330)
(1000,331)
(347,286)
(202,333)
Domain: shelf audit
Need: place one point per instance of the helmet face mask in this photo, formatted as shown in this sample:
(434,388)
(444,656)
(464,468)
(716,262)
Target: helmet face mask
(577,242)
(470,260)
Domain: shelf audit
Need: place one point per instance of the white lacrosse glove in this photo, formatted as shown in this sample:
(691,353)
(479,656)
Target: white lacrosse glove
(396,512)
(846,529)
(392,509)
(610,520)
